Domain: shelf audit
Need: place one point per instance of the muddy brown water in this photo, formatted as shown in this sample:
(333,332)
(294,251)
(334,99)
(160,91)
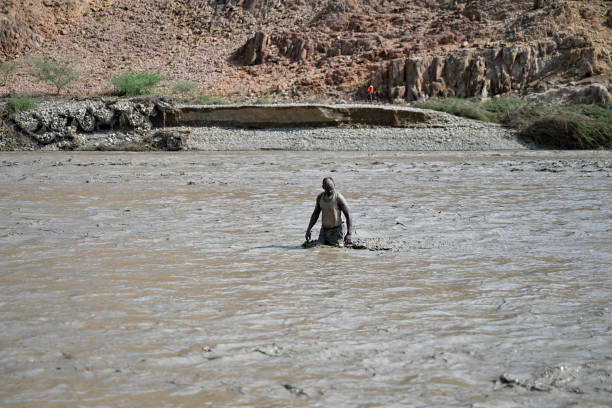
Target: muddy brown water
(164,280)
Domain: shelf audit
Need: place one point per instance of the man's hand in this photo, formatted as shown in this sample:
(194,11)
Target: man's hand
(347,239)
(308,236)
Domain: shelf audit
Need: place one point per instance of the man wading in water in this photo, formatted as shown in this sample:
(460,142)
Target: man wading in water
(331,203)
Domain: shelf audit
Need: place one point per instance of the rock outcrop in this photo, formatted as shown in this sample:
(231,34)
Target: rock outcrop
(255,50)
(15,36)
(490,71)
(578,93)
(63,122)
(468,49)
(23,23)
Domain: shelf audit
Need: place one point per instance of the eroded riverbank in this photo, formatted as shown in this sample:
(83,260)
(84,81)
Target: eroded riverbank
(177,279)
(147,124)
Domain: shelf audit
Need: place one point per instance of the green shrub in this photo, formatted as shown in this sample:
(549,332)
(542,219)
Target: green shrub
(56,73)
(135,83)
(545,124)
(22,104)
(185,88)
(569,130)
(592,111)
(565,127)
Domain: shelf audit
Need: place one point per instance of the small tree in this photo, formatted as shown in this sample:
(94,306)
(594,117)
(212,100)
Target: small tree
(56,73)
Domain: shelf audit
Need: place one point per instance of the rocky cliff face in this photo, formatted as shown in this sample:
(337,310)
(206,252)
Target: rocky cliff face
(324,48)
(24,24)
(463,51)
(491,71)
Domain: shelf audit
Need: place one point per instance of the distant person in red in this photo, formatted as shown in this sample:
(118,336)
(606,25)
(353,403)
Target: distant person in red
(371,92)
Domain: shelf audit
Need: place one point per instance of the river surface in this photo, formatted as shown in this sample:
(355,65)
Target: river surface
(167,280)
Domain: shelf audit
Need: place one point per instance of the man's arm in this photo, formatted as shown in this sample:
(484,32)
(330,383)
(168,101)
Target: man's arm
(313,218)
(349,223)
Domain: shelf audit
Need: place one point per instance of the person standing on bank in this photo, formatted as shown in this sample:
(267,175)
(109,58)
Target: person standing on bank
(331,203)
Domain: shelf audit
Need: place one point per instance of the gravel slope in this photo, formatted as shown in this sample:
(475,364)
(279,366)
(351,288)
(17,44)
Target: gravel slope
(454,134)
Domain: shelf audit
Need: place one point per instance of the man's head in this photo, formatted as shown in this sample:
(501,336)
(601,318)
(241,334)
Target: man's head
(328,185)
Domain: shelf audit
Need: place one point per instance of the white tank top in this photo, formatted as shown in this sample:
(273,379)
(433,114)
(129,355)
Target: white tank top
(330,210)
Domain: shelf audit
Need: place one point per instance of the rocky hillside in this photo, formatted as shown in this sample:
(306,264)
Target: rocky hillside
(326,49)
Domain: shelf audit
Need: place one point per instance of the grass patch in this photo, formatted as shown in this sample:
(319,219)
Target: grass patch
(159,93)
(545,124)
(494,110)
(185,88)
(468,108)
(136,83)
(22,104)
(502,107)
(205,99)
(221,102)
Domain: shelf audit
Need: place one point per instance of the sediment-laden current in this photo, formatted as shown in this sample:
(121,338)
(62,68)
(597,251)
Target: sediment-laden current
(163,280)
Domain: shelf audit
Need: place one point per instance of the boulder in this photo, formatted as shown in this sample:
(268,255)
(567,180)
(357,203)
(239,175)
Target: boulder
(147,107)
(591,94)
(299,49)
(26,122)
(56,123)
(135,119)
(122,106)
(87,122)
(255,50)
(166,140)
(103,115)
(45,138)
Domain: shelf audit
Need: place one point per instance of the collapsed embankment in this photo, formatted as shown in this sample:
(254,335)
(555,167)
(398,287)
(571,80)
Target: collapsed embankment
(155,124)
(142,124)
